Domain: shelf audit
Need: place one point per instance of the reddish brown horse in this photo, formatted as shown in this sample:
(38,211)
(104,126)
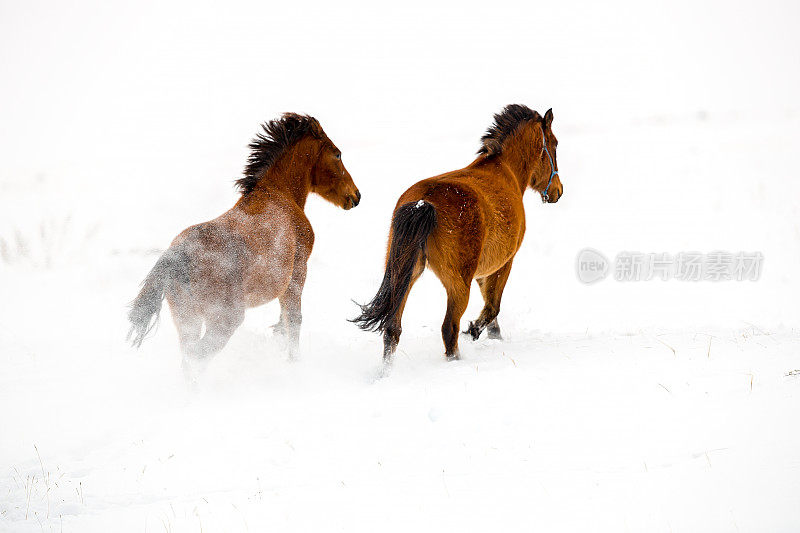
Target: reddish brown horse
(255,252)
(467,224)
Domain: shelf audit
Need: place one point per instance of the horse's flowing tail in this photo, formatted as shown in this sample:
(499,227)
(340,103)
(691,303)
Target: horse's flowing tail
(173,265)
(411,225)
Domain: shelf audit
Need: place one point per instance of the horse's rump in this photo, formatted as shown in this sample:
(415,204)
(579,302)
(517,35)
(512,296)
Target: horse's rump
(217,263)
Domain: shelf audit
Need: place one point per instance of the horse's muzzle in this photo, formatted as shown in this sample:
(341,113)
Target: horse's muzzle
(553,198)
(352,200)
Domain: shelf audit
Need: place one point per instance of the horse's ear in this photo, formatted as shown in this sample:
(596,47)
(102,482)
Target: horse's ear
(316,129)
(548,117)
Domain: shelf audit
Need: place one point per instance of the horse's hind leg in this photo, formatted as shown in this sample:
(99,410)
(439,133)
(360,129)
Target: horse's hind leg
(492,290)
(189,326)
(219,329)
(391,334)
(457,300)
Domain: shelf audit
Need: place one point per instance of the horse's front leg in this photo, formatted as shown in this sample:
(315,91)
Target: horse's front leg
(291,315)
(492,290)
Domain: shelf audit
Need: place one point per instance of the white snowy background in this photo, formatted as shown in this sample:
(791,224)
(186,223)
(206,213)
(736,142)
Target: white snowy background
(649,406)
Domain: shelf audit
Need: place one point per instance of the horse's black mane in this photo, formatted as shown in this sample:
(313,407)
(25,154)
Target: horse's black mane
(267,146)
(505,123)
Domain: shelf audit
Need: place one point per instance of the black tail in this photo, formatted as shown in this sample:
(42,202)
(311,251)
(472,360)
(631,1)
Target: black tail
(411,226)
(173,265)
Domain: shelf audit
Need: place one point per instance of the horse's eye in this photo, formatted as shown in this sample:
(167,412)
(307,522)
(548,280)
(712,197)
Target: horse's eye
(338,156)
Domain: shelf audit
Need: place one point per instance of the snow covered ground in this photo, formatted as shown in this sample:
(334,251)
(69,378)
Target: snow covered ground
(639,406)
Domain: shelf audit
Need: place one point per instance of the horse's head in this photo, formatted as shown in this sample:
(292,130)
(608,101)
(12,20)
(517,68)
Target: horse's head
(287,148)
(546,179)
(331,180)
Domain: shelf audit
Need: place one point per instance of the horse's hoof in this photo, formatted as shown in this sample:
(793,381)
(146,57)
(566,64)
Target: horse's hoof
(495,335)
(386,369)
(473,331)
(453,357)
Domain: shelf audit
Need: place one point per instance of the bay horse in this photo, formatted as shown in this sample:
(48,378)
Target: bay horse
(253,253)
(467,224)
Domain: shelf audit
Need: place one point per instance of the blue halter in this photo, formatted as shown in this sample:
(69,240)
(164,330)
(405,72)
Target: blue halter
(553,171)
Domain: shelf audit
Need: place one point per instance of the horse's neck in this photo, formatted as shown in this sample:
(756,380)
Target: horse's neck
(290,175)
(295,184)
(521,156)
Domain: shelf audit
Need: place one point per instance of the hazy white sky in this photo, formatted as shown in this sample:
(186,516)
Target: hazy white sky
(106,79)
